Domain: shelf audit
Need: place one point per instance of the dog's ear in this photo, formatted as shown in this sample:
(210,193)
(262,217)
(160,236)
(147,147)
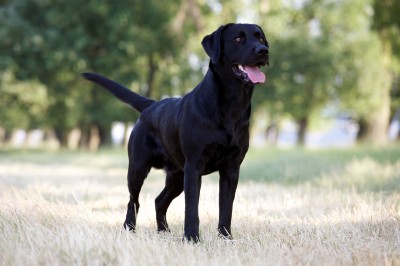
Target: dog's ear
(212,44)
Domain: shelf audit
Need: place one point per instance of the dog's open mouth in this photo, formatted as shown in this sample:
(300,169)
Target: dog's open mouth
(249,73)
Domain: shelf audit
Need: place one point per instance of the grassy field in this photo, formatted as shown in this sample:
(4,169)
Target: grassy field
(293,207)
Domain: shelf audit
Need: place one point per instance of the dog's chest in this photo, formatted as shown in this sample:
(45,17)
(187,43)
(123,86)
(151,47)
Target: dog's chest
(228,135)
(230,144)
(232,131)
(216,155)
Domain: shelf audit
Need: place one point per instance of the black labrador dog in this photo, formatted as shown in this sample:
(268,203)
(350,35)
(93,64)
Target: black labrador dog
(205,131)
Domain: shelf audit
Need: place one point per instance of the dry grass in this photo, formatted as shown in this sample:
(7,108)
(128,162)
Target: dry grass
(68,209)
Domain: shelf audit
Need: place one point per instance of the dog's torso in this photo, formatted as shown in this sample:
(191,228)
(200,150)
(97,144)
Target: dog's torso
(204,122)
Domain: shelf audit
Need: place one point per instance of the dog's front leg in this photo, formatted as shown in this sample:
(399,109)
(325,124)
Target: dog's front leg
(228,182)
(192,184)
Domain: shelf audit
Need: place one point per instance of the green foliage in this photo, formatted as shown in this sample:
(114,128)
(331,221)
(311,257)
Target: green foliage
(386,19)
(24,103)
(386,22)
(321,51)
(364,76)
(326,53)
(54,41)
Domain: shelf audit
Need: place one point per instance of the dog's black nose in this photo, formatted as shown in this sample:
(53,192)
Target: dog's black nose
(262,50)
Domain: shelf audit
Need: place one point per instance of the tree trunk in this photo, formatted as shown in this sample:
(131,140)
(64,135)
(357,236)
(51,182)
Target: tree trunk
(84,139)
(195,12)
(104,133)
(378,119)
(150,76)
(62,137)
(192,9)
(362,129)
(5,136)
(302,130)
(373,129)
(94,138)
(28,137)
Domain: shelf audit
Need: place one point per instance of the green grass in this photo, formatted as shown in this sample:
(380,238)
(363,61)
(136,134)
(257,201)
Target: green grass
(103,158)
(299,166)
(287,167)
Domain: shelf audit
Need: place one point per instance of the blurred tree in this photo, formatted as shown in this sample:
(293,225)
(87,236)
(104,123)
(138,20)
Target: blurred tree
(303,63)
(131,48)
(371,70)
(326,53)
(54,41)
(322,51)
(19,108)
(395,103)
(386,22)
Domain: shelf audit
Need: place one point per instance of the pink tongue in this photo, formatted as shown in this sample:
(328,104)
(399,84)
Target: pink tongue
(255,74)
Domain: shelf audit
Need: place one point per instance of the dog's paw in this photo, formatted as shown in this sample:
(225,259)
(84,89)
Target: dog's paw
(224,233)
(162,225)
(130,227)
(191,239)
(163,230)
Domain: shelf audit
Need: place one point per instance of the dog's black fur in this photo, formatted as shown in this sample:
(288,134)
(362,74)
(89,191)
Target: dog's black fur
(205,131)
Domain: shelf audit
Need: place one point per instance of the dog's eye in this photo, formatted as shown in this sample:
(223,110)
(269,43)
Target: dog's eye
(238,39)
(261,40)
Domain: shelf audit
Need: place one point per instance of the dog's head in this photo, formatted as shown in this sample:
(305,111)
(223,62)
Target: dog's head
(241,47)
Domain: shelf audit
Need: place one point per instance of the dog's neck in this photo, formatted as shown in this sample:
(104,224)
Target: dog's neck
(234,96)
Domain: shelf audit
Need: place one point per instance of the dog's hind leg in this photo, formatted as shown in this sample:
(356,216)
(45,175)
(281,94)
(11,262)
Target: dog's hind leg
(140,163)
(173,188)
(136,176)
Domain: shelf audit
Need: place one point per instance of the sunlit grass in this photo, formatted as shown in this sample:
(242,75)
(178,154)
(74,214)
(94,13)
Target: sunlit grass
(297,166)
(326,207)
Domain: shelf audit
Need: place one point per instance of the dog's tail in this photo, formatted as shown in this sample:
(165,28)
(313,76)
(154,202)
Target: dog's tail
(137,101)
